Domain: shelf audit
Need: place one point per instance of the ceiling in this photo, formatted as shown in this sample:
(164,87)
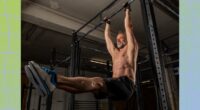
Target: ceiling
(38,38)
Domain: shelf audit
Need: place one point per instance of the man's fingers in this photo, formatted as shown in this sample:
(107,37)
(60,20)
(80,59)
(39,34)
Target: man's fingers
(127,6)
(106,20)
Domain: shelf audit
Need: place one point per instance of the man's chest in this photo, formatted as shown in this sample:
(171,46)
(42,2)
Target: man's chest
(120,54)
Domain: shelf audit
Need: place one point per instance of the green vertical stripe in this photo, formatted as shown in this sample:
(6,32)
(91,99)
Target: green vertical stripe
(10,20)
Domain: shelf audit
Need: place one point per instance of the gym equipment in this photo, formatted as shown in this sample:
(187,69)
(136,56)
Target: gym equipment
(98,14)
(139,97)
(102,21)
(28,100)
(155,49)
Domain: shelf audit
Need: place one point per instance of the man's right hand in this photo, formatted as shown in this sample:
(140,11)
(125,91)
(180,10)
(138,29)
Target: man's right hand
(106,20)
(127,6)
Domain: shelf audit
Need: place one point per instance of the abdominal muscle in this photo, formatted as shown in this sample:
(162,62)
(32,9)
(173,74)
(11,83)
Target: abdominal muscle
(121,67)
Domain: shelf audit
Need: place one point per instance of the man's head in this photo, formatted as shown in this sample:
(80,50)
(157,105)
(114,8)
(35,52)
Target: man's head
(121,39)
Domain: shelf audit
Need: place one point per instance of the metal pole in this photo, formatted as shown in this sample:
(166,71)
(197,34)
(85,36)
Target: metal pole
(29,96)
(102,22)
(39,102)
(109,74)
(138,90)
(91,30)
(167,8)
(78,54)
(98,14)
(154,49)
(97,104)
(49,102)
(96,50)
(71,98)
(53,63)
(172,85)
(158,105)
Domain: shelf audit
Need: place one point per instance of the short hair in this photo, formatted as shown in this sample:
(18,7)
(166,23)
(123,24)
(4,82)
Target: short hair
(120,32)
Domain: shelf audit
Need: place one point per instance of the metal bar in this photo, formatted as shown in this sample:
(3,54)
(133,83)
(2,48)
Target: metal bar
(164,39)
(71,97)
(64,61)
(96,26)
(53,63)
(102,22)
(97,104)
(171,53)
(99,13)
(146,69)
(96,50)
(138,90)
(167,9)
(158,105)
(172,84)
(29,97)
(154,49)
(49,102)
(73,55)
(129,2)
(78,54)
(53,58)
(39,102)
(109,74)
(170,36)
(172,62)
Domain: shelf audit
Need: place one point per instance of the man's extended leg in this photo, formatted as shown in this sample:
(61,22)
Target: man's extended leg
(70,84)
(80,84)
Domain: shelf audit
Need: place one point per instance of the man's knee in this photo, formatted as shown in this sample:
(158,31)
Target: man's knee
(97,83)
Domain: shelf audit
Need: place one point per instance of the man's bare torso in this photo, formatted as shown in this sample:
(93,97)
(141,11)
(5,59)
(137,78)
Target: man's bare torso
(121,65)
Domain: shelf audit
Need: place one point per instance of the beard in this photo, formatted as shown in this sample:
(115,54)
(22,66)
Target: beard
(121,45)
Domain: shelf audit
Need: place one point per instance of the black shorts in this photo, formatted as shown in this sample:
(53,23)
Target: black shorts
(121,88)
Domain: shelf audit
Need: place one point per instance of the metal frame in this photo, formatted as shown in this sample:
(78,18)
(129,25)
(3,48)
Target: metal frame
(39,102)
(102,22)
(98,14)
(172,84)
(28,101)
(73,67)
(154,49)
(53,63)
(168,8)
(139,97)
(110,105)
(49,102)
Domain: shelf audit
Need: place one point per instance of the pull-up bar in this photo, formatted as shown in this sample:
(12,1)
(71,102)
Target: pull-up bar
(98,14)
(102,22)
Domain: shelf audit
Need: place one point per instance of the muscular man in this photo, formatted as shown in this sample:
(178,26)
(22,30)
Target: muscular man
(119,87)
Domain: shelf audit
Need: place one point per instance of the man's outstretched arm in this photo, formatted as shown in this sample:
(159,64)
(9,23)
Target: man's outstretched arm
(109,44)
(131,40)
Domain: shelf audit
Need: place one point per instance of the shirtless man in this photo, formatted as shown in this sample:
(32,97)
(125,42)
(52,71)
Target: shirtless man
(119,87)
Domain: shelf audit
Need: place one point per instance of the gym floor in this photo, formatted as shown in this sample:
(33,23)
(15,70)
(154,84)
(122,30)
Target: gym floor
(47,25)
